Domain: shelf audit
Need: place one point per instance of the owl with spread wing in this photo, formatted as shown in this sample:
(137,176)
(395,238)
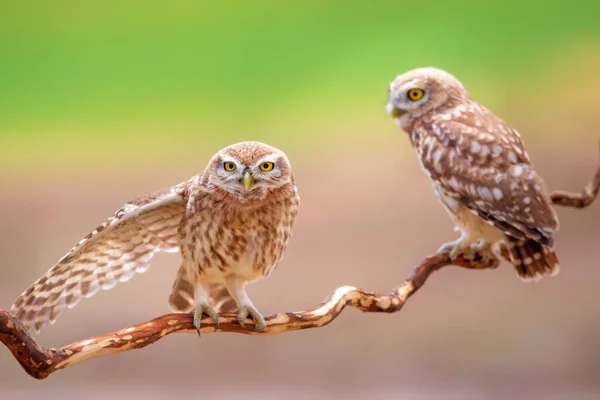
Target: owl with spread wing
(231,224)
(479,170)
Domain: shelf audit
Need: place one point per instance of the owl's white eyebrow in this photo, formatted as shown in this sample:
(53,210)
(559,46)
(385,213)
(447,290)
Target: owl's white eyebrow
(415,83)
(229,159)
(274,158)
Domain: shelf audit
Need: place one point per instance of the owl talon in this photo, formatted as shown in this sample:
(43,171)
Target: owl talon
(205,309)
(480,251)
(457,249)
(250,311)
(465,251)
(485,252)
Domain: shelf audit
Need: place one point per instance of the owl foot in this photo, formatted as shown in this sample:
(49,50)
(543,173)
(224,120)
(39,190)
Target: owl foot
(206,309)
(485,254)
(458,248)
(249,310)
(480,251)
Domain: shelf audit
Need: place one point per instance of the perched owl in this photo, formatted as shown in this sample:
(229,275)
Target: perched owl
(231,223)
(479,170)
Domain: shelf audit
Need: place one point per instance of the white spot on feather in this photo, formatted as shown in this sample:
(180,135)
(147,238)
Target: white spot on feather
(485,193)
(518,150)
(517,170)
(498,194)
(437,155)
(473,190)
(485,150)
(454,183)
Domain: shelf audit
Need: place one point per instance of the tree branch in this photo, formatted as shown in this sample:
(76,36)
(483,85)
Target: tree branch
(40,362)
(578,200)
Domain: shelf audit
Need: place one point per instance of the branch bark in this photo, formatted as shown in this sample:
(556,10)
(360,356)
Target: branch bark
(40,362)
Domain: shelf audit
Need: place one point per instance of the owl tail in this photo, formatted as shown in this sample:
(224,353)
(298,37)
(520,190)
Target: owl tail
(183,292)
(221,300)
(532,260)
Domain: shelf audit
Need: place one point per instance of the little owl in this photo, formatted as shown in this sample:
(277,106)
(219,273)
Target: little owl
(479,170)
(231,223)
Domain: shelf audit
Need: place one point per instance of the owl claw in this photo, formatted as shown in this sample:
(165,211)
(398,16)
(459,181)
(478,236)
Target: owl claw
(465,251)
(486,252)
(206,309)
(458,248)
(478,251)
(248,310)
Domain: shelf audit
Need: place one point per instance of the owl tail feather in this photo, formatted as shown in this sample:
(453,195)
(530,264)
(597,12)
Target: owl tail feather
(532,260)
(183,292)
(182,298)
(221,300)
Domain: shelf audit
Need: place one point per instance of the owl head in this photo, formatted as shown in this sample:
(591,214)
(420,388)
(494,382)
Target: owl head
(248,172)
(418,91)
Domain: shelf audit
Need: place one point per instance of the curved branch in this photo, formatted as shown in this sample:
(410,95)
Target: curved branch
(40,362)
(578,200)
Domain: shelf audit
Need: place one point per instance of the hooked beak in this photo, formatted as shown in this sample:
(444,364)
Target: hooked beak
(393,111)
(247,180)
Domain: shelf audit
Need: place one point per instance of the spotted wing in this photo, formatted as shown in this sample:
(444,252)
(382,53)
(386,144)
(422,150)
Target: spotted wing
(478,160)
(112,253)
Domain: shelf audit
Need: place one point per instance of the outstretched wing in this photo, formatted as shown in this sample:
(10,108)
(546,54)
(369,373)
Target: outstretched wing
(478,160)
(112,253)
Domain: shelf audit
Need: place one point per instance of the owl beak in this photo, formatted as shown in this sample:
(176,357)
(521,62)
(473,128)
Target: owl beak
(247,180)
(393,110)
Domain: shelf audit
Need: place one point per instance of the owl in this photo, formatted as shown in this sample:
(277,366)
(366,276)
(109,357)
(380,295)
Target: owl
(480,172)
(231,223)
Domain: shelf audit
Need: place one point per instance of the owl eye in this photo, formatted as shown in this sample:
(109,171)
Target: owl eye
(415,94)
(229,166)
(266,166)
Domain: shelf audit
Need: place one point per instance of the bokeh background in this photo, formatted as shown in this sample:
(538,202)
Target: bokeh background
(101,101)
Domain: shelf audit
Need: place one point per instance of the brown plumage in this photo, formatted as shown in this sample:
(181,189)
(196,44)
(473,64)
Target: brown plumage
(231,223)
(479,169)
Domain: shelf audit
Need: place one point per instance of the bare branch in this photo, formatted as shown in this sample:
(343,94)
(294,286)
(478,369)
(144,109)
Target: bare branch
(40,362)
(578,200)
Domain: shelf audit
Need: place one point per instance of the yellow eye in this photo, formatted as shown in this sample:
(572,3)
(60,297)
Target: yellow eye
(266,166)
(416,94)
(229,166)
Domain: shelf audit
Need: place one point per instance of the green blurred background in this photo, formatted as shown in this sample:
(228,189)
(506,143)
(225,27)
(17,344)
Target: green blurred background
(101,101)
(97,79)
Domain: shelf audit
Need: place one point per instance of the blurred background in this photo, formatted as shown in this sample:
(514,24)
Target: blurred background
(104,101)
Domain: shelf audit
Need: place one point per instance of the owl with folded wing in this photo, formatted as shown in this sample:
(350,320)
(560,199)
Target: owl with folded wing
(479,170)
